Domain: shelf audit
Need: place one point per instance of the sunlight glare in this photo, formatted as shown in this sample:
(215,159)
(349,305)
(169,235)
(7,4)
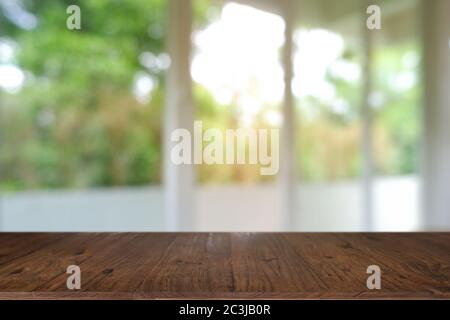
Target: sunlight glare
(237,58)
(11,78)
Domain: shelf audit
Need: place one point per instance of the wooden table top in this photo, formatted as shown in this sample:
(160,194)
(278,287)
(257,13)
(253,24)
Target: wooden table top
(224,265)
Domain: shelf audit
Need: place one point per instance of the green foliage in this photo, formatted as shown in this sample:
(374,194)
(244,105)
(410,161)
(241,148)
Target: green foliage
(330,143)
(76,122)
(398,118)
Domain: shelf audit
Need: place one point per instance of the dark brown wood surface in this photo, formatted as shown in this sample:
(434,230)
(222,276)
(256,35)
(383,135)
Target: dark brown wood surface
(224,265)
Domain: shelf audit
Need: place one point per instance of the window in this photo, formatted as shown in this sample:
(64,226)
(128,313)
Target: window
(334,133)
(238,84)
(396,100)
(237,75)
(327,85)
(81,110)
(81,114)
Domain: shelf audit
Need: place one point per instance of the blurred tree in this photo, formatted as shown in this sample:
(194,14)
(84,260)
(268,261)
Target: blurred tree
(89,111)
(78,121)
(397,108)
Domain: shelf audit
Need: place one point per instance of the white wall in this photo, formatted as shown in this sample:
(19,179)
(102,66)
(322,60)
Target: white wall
(320,207)
(239,208)
(128,209)
(330,207)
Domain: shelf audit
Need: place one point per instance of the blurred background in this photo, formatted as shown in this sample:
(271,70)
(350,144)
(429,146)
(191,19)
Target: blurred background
(85,115)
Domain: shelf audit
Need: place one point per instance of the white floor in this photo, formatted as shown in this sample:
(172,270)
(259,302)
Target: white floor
(320,207)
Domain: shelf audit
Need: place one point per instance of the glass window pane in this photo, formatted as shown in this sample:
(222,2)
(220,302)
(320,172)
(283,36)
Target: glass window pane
(328,89)
(396,101)
(238,85)
(81,115)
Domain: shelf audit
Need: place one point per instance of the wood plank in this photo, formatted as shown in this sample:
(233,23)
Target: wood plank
(264,263)
(14,245)
(194,264)
(336,263)
(408,263)
(99,263)
(31,271)
(224,265)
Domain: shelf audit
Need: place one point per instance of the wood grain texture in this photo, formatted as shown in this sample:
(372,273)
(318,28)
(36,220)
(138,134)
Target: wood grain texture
(224,265)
